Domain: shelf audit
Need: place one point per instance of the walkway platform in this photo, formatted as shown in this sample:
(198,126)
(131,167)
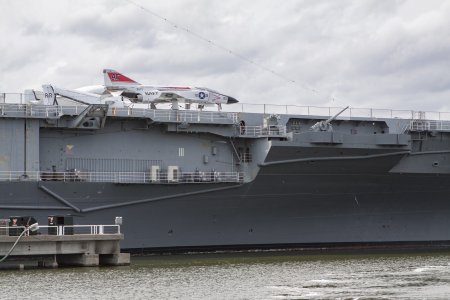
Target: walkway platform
(84,250)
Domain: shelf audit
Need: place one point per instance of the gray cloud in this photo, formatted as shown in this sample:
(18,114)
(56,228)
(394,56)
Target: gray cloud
(370,53)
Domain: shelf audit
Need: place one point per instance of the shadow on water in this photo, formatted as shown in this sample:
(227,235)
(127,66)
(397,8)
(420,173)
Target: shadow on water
(275,257)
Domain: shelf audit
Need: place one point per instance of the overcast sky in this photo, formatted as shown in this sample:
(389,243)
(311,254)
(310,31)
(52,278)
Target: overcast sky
(365,53)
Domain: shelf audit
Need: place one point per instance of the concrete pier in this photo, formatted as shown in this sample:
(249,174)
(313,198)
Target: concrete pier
(68,250)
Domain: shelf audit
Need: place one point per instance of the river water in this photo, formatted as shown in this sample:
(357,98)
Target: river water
(263,275)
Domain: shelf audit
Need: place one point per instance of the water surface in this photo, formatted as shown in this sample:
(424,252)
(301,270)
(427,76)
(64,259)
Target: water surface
(266,275)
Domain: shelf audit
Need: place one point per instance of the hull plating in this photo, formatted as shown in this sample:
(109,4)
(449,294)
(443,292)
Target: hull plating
(299,204)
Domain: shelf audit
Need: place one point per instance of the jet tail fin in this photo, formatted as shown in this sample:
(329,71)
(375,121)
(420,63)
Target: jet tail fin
(49,94)
(115,79)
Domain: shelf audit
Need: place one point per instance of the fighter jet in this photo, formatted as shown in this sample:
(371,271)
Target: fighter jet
(116,82)
(119,91)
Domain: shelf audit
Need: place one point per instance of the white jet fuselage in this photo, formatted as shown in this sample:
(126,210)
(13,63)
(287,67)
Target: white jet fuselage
(149,94)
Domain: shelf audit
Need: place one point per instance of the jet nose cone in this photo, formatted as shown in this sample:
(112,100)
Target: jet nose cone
(231,100)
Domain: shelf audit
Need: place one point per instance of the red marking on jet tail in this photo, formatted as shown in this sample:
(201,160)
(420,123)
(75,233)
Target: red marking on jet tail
(119,77)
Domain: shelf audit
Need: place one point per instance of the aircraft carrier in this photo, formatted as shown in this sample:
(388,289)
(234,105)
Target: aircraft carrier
(191,179)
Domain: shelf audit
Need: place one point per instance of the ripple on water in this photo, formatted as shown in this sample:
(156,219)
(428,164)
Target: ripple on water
(242,276)
(431,269)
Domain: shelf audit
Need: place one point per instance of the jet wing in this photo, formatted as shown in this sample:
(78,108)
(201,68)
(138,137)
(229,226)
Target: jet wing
(170,96)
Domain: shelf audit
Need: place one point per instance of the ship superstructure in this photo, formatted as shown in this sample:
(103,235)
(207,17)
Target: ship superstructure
(198,179)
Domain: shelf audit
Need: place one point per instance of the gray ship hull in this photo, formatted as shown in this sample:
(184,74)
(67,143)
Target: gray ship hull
(186,179)
(304,204)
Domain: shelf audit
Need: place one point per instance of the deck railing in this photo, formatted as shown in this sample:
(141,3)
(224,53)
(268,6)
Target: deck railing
(189,116)
(352,112)
(258,131)
(34,111)
(125,177)
(163,115)
(425,125)
(144,110)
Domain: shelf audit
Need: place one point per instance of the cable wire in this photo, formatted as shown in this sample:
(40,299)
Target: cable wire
(12,248)
(225,49)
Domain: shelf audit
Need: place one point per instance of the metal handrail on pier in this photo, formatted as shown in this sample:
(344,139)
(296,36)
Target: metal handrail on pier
(70,245)
(66,229)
